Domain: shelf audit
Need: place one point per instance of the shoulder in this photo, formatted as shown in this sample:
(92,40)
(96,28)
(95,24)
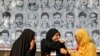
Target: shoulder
(92,46)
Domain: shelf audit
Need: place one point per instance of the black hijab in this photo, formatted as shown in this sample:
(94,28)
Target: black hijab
(57,45)
(51,33)
(22,44)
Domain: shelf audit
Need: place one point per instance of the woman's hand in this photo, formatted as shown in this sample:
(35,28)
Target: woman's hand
(62,40)
(63,51)
(32,44)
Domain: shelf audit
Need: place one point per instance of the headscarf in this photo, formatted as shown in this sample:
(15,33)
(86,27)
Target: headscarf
(85,44)
(22,44)
(51,33)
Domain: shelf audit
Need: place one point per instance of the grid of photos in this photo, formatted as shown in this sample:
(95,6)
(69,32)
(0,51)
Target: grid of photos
(41,15)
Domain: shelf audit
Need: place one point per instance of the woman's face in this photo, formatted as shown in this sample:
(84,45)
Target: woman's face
(56,37)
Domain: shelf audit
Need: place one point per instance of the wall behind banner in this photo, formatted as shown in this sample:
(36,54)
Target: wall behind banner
(41,15)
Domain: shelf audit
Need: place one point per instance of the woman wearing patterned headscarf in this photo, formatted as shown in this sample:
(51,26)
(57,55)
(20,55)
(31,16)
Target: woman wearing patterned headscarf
(85,45)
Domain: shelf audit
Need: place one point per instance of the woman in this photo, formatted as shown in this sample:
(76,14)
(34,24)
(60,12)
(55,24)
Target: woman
(25,45)
(85,45)
(51,43)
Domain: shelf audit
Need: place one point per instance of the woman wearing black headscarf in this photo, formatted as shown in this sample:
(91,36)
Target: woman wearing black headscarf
(51,43)
(25,45)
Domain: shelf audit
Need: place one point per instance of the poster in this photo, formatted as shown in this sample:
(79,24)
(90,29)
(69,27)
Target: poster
(41,15)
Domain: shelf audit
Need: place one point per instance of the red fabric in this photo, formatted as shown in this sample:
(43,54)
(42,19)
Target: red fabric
(77,47)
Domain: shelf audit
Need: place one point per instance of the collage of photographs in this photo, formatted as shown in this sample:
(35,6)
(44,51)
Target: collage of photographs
(41,15)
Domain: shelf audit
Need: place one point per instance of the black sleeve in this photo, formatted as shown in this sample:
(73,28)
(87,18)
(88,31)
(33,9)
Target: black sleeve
(53,45)
(48,46)
(28,53)
(31,52)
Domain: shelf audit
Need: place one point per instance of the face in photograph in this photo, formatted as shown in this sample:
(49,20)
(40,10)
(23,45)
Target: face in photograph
(31,17)
(32,5)
(70,20)
(17,33)
(70,17)
(84,2)
(93,20)
(69,36)
(7,2)
(19,19)
(57,19)
(5,34)
(1,2)
(93,16)
(71,3)
(96,35)
(32,20)
(82,17)
(45,17)
(19,2)
(6,19)
(57,16)
(45,2)
(58,2)
(69,39)
(44,20)
(95,3)
(43,34)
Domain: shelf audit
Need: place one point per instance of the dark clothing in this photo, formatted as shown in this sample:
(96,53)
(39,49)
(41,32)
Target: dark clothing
(30,53)
(22,44)
(51,33)
(47,47)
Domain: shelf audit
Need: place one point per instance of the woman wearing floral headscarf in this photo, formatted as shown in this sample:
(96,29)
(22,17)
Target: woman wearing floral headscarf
(85,45)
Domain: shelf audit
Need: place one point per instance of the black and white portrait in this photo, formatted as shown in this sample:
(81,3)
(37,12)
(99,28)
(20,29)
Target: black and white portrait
(96,36)
(84,5)
(4,38)
(70,20)
(82,17)
(93,20)
(69,40)
(32,5)
(45,20)
(45,5)
(58,4)
(2,7)
(57,20)
(32,21)
(19,5)
(5,21)
(18,20)
(70,5)
(95,4)
(43,34)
